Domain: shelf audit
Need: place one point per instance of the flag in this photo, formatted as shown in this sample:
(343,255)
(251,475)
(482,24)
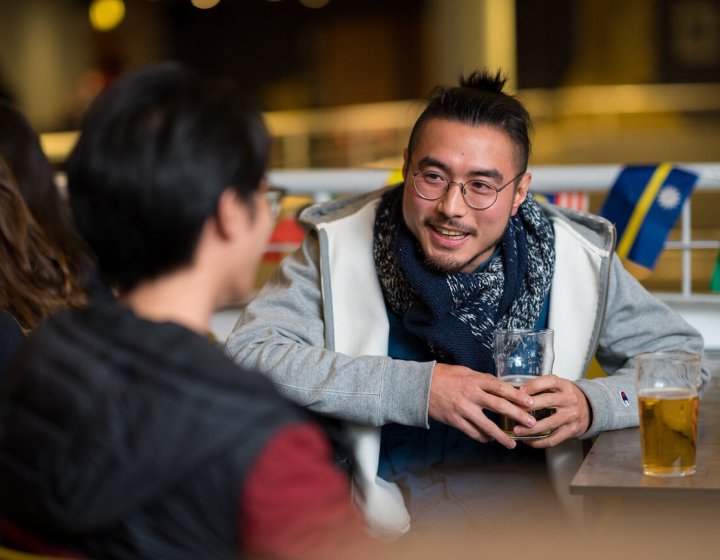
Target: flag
(644,204)
(577,200)
(394,177)
(287,236)
(715,280)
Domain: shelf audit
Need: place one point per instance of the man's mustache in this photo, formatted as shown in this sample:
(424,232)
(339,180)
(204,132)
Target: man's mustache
(450,223)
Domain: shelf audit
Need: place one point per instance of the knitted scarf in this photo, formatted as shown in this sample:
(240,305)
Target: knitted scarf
(456,313)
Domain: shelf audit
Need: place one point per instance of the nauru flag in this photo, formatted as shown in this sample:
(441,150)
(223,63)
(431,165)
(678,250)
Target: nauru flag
(644,204)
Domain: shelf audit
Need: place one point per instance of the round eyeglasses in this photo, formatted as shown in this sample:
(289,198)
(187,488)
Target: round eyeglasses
(477,194)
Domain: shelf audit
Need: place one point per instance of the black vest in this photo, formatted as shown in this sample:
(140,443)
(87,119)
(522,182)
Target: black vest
(123,438)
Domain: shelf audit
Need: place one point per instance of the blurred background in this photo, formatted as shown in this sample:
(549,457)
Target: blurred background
(606,80)
(341,81)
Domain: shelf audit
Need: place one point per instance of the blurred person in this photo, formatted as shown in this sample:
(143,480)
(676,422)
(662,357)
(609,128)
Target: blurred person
(385,317)
(37,277)
(35,177)
(18,232)
(45,265)
(125,432)
(39,260)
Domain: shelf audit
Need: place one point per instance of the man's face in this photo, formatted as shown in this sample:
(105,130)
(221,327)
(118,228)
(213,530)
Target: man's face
(453,236)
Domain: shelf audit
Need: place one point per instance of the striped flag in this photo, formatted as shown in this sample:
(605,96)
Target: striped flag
(575,200)
(644,204)
(394,177)
(715,280)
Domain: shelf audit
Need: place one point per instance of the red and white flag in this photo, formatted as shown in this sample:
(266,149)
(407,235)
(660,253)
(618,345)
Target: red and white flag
(576,200)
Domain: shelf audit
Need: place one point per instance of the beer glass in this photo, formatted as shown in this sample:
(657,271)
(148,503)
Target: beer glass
(667,386)
(521,355)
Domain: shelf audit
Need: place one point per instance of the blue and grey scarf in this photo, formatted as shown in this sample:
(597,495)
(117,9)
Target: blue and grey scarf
(456,313)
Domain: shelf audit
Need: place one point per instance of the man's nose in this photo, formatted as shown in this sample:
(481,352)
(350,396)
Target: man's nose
(452,202)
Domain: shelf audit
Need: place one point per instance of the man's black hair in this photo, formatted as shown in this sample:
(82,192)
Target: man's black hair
(156,150)
(479,99)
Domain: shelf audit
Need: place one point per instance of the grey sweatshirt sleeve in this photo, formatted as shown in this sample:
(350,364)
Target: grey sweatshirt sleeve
(281,332)
(635,322)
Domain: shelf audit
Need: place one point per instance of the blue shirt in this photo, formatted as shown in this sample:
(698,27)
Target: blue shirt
(420,460)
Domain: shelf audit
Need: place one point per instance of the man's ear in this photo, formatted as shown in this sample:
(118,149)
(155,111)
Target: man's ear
(406,163)
(521,192)
(227,215)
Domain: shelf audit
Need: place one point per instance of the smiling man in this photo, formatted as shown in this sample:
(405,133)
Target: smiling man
(385,317)
(453,235)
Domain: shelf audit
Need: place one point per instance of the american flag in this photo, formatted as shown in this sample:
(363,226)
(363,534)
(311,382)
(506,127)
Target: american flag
(575,200)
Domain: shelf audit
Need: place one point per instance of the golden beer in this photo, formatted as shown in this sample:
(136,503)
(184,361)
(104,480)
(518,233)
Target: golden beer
(507,424)
(668,431)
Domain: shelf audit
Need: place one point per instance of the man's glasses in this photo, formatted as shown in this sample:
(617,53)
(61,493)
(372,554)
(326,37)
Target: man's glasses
(274,197)
(477,194)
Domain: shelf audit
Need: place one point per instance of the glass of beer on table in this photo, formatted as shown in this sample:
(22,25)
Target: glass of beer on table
(520,355)
(668,400)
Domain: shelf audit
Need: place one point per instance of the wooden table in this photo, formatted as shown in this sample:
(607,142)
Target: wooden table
(615,489)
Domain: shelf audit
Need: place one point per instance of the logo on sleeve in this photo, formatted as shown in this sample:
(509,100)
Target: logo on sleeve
(624,398)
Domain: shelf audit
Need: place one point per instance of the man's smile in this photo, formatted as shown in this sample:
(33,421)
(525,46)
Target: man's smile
(447,230)
(450,234)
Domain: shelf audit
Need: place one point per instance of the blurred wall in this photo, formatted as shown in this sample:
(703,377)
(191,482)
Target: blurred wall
(462,35)
(577,64)
(53,63)
(44,46)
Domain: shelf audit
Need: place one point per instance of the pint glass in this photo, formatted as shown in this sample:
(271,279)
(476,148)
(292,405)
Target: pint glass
(519,356)
(667,386)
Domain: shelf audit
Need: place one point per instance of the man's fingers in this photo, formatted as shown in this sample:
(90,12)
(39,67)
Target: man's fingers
(478,426)
(494,432)
(553,439)
(552,424)
(542,384)
(508,392)
(505,408)
(475,424)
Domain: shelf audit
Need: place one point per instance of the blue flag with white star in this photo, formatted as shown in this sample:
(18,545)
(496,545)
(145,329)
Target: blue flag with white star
(644,204)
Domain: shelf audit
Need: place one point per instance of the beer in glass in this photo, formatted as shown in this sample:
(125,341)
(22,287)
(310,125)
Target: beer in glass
(520,355)
(667,385)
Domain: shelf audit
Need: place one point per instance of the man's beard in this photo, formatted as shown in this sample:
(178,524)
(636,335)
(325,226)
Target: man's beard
(448,265)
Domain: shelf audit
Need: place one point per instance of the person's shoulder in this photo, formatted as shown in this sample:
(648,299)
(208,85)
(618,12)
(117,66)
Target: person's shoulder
(49,328)
(591,227)
(340,207)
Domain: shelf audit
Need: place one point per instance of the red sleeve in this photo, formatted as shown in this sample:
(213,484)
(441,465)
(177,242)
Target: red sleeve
(296,503)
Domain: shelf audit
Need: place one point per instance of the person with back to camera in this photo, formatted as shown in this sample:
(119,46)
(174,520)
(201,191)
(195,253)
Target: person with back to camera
(126,432)
(44,264)
(384,318)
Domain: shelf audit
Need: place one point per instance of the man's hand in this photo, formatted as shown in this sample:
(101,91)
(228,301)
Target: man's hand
(458,396)
(572,410)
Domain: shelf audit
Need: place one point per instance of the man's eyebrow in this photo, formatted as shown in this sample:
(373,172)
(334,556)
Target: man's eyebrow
(491,173)
(432,162)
